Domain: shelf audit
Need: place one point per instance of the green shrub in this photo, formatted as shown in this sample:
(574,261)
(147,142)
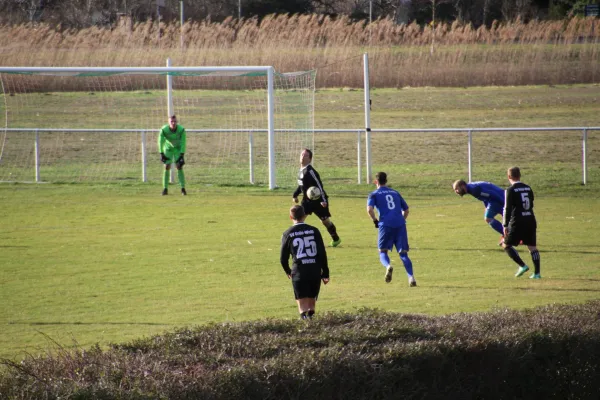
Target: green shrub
(551,352)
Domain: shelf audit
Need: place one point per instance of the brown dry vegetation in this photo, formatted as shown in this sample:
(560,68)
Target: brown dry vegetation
(512,53)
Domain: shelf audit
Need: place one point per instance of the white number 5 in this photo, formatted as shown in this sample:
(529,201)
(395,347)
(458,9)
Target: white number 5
(525,200)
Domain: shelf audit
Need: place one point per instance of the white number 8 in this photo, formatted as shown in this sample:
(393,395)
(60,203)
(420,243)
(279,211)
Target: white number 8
(390,202)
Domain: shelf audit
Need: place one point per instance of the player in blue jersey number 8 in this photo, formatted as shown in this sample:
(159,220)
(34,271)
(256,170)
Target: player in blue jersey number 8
(391,224)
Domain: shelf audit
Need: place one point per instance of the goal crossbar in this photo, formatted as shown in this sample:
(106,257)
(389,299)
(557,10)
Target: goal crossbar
(173,71)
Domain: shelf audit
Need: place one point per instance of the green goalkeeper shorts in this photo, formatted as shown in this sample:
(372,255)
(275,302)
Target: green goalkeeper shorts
(172,155)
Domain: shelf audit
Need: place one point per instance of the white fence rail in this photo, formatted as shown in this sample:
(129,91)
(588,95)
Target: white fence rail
(471,131)
(361,135)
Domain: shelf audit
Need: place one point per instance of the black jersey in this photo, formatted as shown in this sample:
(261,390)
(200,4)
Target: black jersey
(309,257)
(308,177)
(518,206)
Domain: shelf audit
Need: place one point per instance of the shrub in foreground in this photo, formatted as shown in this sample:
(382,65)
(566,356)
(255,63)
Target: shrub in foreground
(549,352)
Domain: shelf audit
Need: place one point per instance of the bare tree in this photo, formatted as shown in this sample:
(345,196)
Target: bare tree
(29,10)
(476,12)
(80,13)
(516,9)
(485,12)
(401,11)
(463,10)
(331,7)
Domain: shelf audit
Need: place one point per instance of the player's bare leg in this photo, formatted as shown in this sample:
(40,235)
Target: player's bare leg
(304,307)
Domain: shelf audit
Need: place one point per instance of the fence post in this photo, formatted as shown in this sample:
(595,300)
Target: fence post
(37,156)
(144,158)
(170,108)
(271,126)
(367,106)
(251,155)
(470,146)
(181,19)
(584,156)
(358,149)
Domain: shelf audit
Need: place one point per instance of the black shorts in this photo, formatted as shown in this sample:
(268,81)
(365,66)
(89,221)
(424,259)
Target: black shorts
(518,234)
(314,206)
(306,288)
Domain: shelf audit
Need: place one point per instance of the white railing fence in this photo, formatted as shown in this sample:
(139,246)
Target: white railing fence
(334,148)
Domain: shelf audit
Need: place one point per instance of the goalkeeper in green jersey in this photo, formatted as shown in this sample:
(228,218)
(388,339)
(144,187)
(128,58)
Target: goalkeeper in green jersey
(171,145)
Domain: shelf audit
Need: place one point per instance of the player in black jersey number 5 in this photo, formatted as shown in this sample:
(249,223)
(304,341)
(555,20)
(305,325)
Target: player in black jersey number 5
(307,177)
(519,223)
(309,261)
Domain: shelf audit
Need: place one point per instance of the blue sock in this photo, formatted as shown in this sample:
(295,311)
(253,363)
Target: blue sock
(407,263)
(497,226)
(384,258)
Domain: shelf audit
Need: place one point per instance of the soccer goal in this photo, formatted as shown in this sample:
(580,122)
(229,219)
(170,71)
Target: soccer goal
(245,125)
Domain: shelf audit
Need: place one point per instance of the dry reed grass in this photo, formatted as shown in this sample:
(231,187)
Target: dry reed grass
(512,53)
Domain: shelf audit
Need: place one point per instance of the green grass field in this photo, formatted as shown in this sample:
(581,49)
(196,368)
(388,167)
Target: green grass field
(85,264)
(82,264)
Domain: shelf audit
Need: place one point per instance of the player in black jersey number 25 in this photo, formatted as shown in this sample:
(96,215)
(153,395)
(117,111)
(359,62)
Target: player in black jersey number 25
(309,261)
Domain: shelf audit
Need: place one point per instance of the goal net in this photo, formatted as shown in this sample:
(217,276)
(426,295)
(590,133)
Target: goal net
(245,125)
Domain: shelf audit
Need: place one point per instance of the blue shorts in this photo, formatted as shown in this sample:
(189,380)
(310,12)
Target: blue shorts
(493,209)
(390,237)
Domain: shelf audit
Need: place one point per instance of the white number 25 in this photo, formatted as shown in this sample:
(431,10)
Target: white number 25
(306,246)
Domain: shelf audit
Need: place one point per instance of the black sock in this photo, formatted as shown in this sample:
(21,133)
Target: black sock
(512,253)
(333,232)
(535,256)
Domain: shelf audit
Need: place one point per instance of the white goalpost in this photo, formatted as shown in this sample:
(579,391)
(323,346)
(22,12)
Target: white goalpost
(245,124)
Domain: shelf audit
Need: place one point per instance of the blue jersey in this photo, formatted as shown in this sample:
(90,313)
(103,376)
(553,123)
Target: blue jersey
(389,205)
(487,192)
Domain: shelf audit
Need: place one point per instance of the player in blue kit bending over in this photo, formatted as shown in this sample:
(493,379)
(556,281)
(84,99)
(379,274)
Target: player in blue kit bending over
(391,224)
(492,197)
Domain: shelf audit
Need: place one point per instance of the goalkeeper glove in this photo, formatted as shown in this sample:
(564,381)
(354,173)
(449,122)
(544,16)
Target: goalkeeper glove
(180,160)
(376,222)
(163,158)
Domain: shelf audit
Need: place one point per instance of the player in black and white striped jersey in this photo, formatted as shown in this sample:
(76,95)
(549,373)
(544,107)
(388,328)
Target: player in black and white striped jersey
(520,225)
(307,177)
